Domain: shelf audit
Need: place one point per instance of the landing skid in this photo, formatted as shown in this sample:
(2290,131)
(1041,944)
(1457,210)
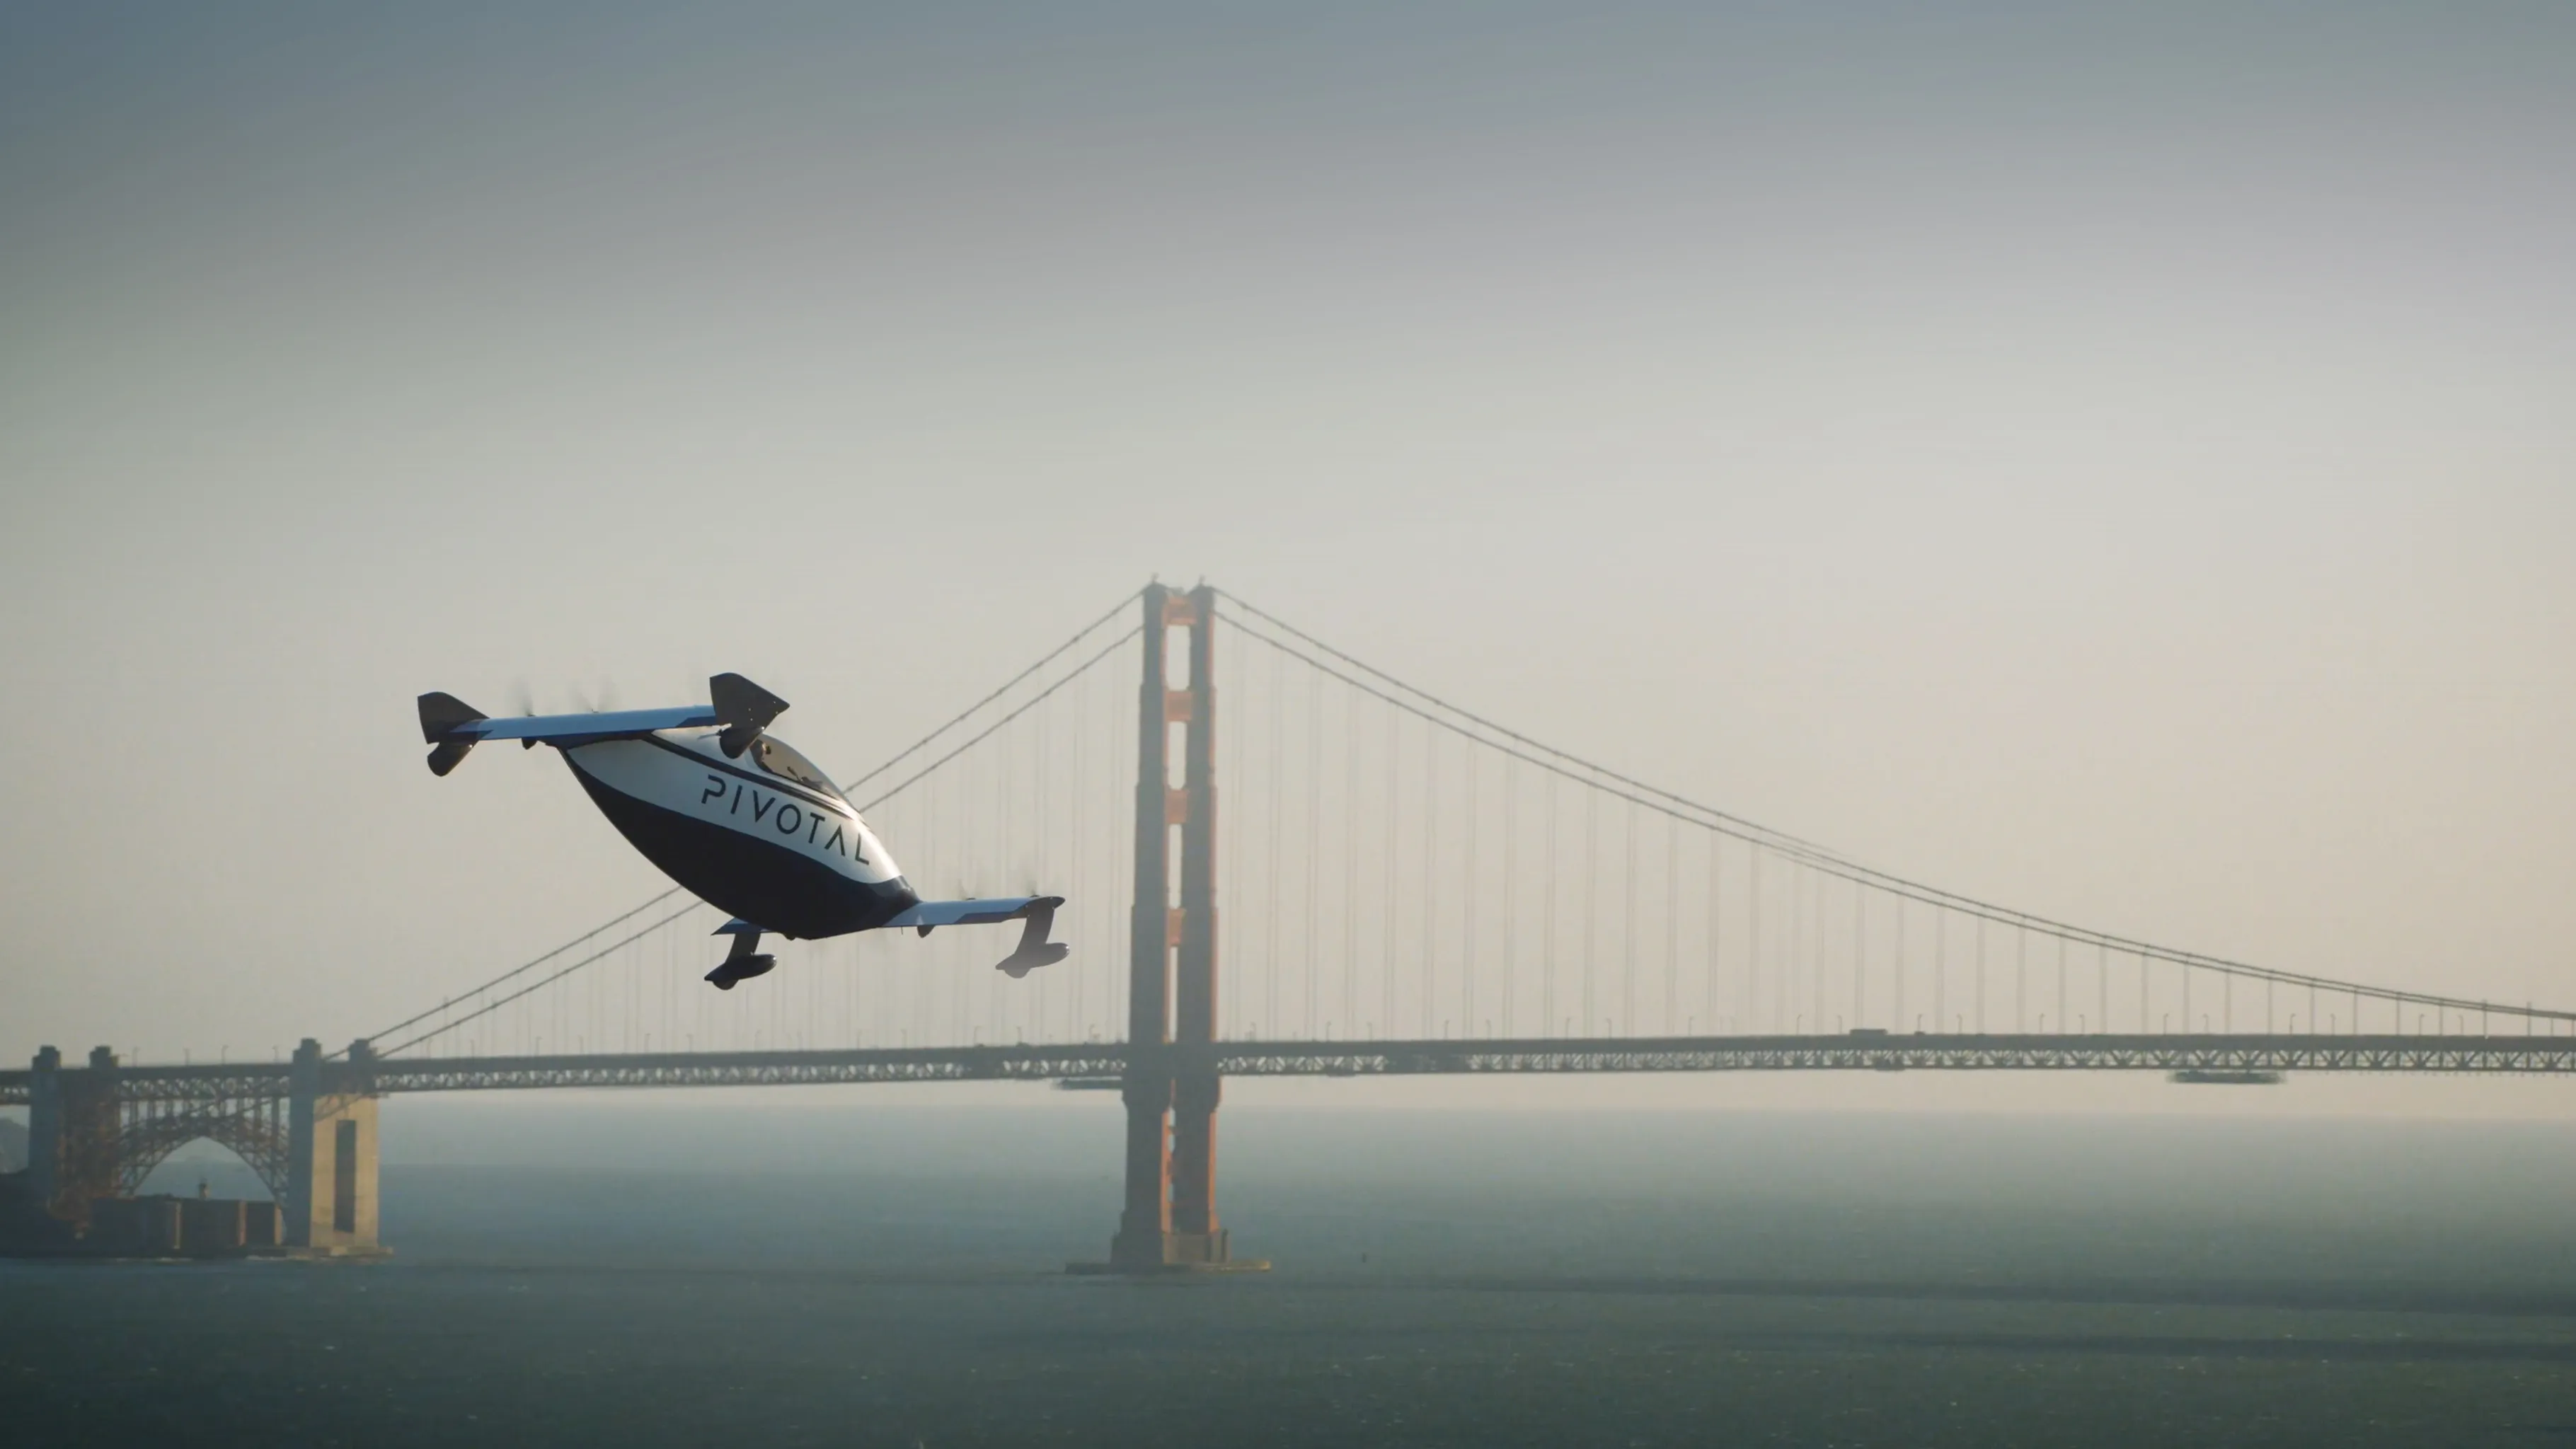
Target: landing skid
(745,960)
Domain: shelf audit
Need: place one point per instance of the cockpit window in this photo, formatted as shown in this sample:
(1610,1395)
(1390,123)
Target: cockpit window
(785,763)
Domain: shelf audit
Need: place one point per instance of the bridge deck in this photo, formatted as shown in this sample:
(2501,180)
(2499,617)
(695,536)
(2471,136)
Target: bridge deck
(1095,1061)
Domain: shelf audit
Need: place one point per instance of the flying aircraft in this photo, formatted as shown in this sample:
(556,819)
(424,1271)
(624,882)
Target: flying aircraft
(740,820)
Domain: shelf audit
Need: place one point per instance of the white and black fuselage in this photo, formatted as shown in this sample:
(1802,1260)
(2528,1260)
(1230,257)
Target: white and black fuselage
(739,819)
(745,835)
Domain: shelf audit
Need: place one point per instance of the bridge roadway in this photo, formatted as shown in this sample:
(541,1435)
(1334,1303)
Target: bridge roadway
(1102,1062)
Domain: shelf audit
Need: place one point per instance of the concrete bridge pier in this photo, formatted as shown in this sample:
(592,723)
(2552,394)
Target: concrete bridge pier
(330,1202)
(72,1130)
(44,1127)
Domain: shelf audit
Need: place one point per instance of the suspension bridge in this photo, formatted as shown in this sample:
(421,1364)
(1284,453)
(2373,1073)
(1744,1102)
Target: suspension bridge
(1366,879)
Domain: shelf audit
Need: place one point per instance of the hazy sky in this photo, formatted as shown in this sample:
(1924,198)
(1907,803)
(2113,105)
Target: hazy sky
(2116,460)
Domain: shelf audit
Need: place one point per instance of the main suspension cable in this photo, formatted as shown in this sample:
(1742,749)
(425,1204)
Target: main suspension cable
(1826,862)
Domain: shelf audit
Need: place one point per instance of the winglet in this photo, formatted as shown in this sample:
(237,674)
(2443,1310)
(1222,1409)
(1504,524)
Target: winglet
(1035,950)
(440,714)
(745,709)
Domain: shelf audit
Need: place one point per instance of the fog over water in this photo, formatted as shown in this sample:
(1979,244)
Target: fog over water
(662,1272)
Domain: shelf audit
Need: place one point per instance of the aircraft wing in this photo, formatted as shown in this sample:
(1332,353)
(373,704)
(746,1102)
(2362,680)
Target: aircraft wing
(584,726)
(742,707)
(927,914)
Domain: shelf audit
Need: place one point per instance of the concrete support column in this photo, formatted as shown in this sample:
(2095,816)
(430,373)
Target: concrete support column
(85,1156)
(332,1154)
(44,1126)
(303,1095)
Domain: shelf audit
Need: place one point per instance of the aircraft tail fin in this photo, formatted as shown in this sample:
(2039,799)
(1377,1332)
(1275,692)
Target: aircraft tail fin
(744,708)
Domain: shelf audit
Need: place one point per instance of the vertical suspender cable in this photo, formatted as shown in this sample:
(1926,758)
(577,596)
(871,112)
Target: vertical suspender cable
(1075,782)
(2021,976)
(1547,918)
(1860,951)
(1351,860)
(1817,955)
(1271,865)
(1628,931)
(1386,967)
(1430,891)
(1591,881)
(1511,883)
(1797,945)
(1752,939)
(1231,806)
(1467,899)
(1672,923)
(1714,894)
(1004,797)
(1898,1022)
(1314,793)
(1981,975)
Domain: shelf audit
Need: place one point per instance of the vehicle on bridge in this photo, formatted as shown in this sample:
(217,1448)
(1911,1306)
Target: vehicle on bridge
(739,819)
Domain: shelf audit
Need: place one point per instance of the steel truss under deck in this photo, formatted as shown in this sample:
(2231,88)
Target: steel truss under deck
(207,1086)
